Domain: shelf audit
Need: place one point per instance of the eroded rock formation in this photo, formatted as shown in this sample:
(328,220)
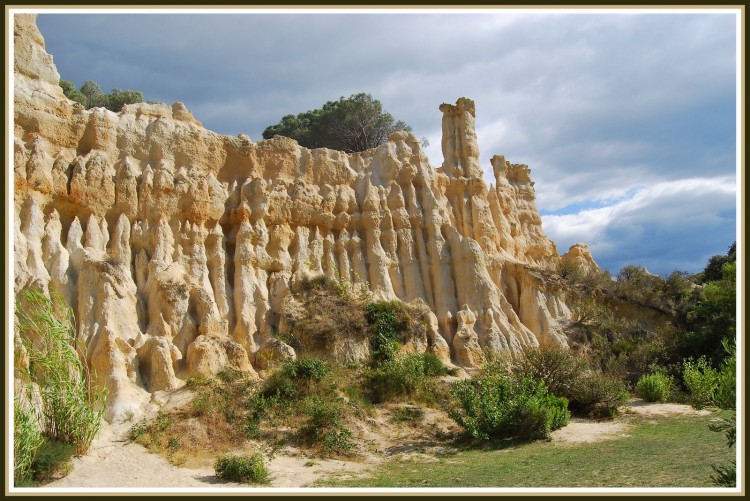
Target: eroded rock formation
(176,246)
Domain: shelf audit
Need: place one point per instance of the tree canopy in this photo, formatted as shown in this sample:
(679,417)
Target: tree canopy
(356,123)
(90,95)
(714,267)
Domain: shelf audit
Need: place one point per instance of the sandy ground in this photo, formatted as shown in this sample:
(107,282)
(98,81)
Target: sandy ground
(582,430)
(115,462)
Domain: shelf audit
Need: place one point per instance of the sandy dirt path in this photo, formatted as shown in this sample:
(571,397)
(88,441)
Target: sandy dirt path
(115,462)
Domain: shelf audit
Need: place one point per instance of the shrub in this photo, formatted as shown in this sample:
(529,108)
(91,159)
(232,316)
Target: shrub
(498,405)
(558,368)
(654,387)
(403,376)
(324,426)
(332,312)
(708,386)
(637,285)
(539,415)
(726,391)
(245,469)
(701,380)
(567,374)
(599,395)
(72,409)
(726,475)
(296,378)
(386,321)
(307,369)
(306,394)
(626,350)
(713,317)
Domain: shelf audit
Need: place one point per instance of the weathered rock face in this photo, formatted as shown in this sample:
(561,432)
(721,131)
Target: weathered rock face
(176,246)
(580,255)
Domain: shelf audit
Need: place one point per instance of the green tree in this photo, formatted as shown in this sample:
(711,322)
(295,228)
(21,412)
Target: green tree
(713,268)
(70,91)
(93,94)
(714,317)
(90,95)
(356,123)
(636,284)
(119,98)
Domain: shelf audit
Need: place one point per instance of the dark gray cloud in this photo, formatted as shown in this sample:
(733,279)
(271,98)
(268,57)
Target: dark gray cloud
(665,226)
(602,106)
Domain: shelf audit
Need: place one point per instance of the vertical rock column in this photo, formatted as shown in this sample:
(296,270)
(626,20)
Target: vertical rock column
(460,148)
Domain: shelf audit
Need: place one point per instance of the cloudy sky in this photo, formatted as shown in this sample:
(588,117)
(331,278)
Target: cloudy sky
(627,120)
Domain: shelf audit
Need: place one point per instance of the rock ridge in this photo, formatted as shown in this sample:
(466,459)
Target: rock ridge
(177,246)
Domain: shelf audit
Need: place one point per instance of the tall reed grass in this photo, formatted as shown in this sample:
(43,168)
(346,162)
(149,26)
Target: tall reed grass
(71,409)
(27,441)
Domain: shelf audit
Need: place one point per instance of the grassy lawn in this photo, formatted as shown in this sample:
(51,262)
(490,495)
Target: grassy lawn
(670,452)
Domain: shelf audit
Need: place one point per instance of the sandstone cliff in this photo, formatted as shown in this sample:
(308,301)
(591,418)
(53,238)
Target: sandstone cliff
(176,246)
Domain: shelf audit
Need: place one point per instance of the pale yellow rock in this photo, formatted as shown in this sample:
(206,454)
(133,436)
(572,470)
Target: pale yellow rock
(272,353)
(177,246)
(156,365)
(208,355)
(466,343)
(581,255)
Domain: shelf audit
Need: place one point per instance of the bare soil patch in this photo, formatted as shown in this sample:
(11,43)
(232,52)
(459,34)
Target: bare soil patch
(655,409)
(585,430)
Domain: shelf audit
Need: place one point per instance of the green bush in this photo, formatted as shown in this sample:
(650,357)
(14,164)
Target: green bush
(324,425)
(230,375)
(72,409)
(708,386)
(498,405)
(726,475)
(713,318)
(599,395)
(540,414)
(558,368)
(306,369)
(403,376)
(296,378)
(386,320)
(304,388)
(654,387)
(393,375)
(701,380)
(567,374)
(333,312)
(434,367)
(245,469)
(725,396)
